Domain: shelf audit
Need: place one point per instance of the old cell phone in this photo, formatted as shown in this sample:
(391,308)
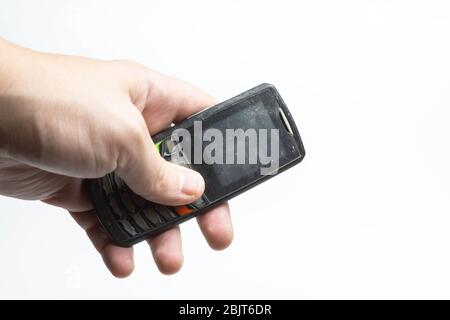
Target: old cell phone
(234,145)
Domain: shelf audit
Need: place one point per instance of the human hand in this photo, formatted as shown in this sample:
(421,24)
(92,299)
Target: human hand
(67,118)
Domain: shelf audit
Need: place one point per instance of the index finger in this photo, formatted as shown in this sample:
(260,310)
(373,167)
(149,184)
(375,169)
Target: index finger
(171,100)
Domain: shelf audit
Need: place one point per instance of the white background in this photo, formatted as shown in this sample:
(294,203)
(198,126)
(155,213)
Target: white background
(366,215)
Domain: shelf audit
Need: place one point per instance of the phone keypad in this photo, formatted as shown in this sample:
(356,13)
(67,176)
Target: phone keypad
(134,214)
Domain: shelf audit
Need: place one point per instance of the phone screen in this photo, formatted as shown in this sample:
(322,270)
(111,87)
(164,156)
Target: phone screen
(239,145)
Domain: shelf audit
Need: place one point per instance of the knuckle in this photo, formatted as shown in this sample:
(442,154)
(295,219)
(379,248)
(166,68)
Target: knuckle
(130,67)
(132,132)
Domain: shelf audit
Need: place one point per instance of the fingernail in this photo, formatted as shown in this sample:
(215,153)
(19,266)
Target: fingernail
(190,182)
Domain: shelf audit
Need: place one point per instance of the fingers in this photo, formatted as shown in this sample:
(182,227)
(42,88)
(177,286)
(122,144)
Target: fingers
(166,248)
(172,100)
(216,227)
(167,251)
(118,260)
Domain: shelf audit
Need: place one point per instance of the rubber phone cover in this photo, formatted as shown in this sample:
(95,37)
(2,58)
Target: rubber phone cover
(129,219)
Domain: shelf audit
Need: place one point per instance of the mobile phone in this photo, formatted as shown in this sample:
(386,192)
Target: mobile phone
(234,145)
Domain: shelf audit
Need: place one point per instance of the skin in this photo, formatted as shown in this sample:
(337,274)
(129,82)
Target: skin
(66,118)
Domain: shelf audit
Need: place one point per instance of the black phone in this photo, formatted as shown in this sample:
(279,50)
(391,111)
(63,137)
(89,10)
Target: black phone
(234,145)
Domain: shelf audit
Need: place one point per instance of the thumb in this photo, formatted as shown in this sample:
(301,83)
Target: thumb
(155,179)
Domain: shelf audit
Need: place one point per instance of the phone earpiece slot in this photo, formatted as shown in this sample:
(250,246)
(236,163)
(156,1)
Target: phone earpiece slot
(285,121)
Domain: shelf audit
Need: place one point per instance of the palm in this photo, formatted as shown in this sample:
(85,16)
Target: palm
(22,181)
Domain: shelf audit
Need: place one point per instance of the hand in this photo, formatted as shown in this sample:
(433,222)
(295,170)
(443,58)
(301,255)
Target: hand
(66,118)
